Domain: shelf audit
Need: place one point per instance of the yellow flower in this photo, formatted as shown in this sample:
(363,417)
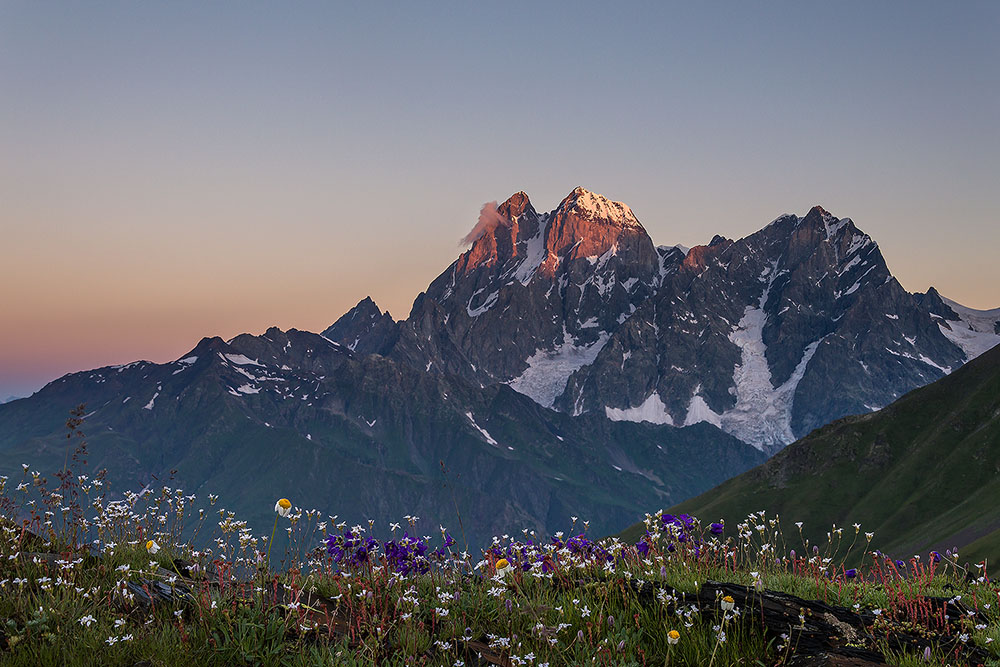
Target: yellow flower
(673,637)
(152,547)
(503,566)
(728,603)
(283,507)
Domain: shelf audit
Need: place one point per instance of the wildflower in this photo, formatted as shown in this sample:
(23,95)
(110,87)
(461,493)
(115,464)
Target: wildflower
(283,507)
(936,557)
(673,637)
(728,604)
(503,567)
(87,620)
(152,547)
(716,528)
(851,573)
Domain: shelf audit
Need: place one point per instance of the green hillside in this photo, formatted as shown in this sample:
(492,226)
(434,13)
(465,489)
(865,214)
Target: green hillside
(922,473)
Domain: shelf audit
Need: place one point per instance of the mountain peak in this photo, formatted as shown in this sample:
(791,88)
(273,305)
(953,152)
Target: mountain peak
(592,206)
(515,206)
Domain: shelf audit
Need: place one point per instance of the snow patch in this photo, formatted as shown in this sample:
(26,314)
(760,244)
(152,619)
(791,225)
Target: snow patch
(762,414)
(187,360)
(594,206)
(483,431)
(698,411)
(247,389)
(974,331)
(549,370)
(241,360)
(833,225)
(149,406)
(652,410)
(534,253)
(490,301)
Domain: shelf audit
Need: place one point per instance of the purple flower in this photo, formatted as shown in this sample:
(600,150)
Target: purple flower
(850,574)
(642,547)
(936,557)
(716,528)
(900,564)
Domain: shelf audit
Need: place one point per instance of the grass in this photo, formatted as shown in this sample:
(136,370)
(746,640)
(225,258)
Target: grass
(80,586)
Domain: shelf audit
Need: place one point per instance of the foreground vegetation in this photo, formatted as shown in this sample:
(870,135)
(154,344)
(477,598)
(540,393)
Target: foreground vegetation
(155,578)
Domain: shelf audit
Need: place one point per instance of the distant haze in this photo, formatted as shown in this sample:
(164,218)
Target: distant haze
(172,171)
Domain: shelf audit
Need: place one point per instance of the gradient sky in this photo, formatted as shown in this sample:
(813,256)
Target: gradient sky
(170,171)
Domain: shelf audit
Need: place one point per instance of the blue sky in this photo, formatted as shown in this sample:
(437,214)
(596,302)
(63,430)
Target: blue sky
(184,169)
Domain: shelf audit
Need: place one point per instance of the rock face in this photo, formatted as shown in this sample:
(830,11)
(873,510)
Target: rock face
(767,337)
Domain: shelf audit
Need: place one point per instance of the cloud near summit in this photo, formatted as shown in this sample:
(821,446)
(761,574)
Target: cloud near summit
(489,219)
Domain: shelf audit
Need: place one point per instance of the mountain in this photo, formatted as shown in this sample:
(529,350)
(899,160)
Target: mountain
(535,297)
(767,337)
(363,436)
(922,473)
(563,364)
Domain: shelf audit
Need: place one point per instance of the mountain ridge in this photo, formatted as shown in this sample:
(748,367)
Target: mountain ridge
(359,435)
(752,335)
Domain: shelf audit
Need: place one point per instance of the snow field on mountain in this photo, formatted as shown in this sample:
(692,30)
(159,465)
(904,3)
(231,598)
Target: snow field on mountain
(549,370)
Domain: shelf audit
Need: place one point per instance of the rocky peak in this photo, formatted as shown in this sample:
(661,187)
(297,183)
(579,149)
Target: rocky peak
(505,236)
(588,225)
(597,208)
(824,223)
(364,328)
(516,206)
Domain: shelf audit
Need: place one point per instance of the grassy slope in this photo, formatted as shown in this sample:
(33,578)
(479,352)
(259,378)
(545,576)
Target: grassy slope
(922,473)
